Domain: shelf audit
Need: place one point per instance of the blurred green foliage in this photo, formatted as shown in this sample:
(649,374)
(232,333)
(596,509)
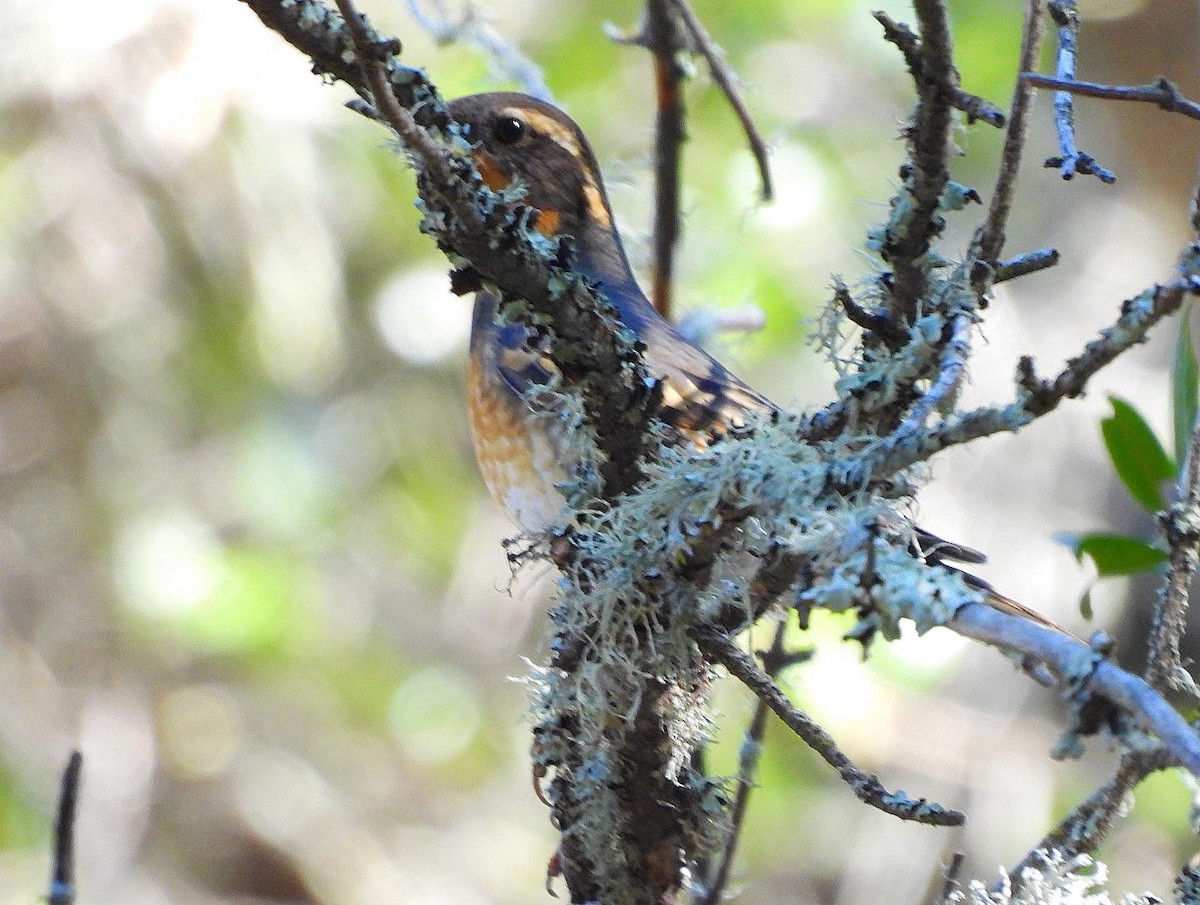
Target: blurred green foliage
(247,564)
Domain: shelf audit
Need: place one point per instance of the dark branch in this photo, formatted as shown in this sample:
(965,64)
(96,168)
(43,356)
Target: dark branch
(1023,265)
(722,649)
(664,39)
(1163,93)
(989,241)
(724,76)
(62,873)
(975,107)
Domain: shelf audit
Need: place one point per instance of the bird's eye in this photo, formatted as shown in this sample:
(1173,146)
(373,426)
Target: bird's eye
(508,129)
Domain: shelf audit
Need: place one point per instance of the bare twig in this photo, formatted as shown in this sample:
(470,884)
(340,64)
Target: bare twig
(774,660)
(471,28)
(1163,93)
(722,649)
(727,82)
(989,240)
(906,40)
(1080,667)
(1023,265)
(62,873)
(663,38)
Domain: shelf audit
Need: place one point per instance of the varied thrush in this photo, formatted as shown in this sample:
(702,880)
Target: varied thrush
(519,139)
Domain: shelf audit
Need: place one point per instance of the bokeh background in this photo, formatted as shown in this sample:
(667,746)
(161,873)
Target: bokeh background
(246,563)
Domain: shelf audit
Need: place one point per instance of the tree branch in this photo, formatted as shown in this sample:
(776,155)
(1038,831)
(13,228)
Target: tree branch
(906,40)
(1082,670)
(915,219)
(722,649)
(62,874)
(989,240)
(1163,92)
(723,75)
(663,37)
(1181,526)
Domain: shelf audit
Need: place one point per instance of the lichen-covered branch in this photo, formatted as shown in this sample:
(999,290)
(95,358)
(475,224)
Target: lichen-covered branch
(1087,676)
(1083,830)
(1181,526)
(1070,160)
(674,548)
(906,40)
(774,660)
(1037,397)
(916,220)
(722,649)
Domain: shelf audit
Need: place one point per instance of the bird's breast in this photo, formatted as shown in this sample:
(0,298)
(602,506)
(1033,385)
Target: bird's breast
(517,457)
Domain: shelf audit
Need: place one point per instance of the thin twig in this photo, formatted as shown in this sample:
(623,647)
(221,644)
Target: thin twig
(1071,160)
(724,76)
(663,38)
(471,28)
(989,240)
(906,40)
(1163,92)
(369,47)
(62,873)
(722,649)
(774,660)
(1025,264)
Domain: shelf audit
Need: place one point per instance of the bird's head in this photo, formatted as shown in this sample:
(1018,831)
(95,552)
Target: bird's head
(519,139)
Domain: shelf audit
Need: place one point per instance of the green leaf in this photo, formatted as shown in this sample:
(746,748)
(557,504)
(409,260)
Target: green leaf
(1085,605)
(1185,386)
(1140,460)
(1114,554)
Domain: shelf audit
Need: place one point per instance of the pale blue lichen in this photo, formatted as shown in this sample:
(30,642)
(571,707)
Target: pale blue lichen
(1058,880)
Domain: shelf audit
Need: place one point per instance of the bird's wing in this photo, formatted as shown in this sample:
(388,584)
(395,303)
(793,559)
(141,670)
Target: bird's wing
(700,398)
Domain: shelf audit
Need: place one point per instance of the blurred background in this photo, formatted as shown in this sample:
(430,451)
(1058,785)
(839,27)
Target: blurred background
(246,563)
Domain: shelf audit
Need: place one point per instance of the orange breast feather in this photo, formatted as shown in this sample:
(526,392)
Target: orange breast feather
(519,465)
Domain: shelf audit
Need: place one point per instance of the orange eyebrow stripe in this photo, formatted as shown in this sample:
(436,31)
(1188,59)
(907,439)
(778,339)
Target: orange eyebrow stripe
(595,204)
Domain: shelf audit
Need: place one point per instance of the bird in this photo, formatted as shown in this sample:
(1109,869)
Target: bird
(520,141)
